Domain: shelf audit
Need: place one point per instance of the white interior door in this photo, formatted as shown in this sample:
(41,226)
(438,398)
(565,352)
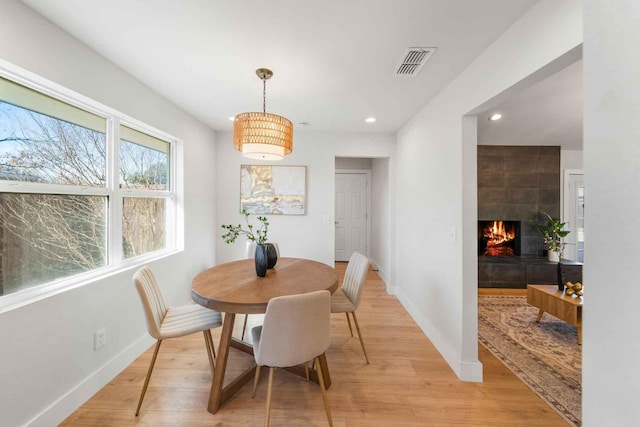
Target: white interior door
(574,216)
(351,214)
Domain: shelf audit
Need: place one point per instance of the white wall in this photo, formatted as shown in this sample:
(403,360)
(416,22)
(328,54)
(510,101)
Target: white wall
(611,349)
(436,278)
(381,206)
(47,363)
(571,159)
(307,236)
(353,163)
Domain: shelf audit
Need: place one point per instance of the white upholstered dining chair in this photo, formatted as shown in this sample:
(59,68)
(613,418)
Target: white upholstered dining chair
(296,329)
(171,322)
(348,297)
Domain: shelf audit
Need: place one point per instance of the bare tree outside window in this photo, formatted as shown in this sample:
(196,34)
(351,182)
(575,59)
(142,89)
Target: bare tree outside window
(46,237)
(38,148)
(143,218)
(143,167)
(143,227)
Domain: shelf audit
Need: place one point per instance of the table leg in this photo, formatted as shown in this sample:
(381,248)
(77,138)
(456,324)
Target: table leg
(580,334)
(215,397)
(540,313)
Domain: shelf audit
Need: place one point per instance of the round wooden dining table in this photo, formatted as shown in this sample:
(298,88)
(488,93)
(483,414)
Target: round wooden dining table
(234,288)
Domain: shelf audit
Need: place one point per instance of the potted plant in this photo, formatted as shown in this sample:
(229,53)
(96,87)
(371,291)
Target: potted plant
(266,255)
(553,234)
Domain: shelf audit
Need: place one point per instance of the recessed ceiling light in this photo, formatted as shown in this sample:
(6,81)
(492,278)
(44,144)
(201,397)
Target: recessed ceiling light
(232,118)
(495,116)
(370,119)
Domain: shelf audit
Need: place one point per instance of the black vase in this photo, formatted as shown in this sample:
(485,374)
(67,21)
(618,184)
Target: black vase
(272,255)
(560,277)
(261,260)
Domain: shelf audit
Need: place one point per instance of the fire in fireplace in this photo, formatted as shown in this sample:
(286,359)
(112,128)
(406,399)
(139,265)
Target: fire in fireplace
(499,238)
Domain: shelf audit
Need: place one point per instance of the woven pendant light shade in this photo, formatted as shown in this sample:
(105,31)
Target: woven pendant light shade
(262,136)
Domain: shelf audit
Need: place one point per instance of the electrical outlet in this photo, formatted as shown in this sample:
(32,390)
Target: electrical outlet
(99,338)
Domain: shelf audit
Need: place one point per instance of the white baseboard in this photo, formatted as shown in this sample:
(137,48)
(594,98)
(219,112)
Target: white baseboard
(471,371)
(391,290)
(59,410)
(465,370)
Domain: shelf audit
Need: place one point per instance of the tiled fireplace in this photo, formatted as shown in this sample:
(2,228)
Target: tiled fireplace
(515,184)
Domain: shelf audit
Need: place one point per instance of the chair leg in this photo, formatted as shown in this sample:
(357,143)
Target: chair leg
(323,389)
(306,370)
(269,393)
(349,321)
(244,326)
(208,340)
(355,320)
(256,378)
(146,380)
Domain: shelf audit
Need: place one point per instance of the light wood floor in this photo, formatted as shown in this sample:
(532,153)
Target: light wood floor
(407,383)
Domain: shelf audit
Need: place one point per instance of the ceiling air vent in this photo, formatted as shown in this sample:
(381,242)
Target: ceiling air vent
(413,60)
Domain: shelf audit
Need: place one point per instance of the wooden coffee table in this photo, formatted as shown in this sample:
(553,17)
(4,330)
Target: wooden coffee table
(550,300)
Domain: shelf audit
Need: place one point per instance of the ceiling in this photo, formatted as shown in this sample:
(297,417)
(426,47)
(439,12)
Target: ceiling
(547,113)
(333,60)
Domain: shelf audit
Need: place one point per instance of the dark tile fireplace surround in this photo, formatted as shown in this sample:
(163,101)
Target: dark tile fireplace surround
(516,183)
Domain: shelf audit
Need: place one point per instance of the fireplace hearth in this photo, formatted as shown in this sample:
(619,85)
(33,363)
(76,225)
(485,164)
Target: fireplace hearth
(499,238)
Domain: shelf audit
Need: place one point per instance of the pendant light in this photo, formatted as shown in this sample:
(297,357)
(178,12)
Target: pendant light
(263,136)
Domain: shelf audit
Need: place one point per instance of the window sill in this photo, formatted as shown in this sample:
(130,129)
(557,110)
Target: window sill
(40,292)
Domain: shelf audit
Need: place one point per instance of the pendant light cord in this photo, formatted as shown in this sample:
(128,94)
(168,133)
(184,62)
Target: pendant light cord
(264,95)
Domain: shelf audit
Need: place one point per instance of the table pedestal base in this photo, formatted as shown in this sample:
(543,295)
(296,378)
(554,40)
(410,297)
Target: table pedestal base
(220,394)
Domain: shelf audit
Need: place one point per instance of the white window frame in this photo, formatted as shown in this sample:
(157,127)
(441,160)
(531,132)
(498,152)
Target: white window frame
(115,262)
(568,207)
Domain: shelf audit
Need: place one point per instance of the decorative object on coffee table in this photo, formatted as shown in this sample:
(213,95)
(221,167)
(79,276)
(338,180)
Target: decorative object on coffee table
(264,256)
(574,288)
(553,234)
(560,277)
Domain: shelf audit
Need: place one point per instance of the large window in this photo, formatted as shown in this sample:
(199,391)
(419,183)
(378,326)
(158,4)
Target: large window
(80,190)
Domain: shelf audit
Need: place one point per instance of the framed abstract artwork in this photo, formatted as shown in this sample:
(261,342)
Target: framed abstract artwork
(273,190)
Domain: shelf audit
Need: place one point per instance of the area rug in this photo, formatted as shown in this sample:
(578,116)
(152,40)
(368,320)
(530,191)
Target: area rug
(546,356)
